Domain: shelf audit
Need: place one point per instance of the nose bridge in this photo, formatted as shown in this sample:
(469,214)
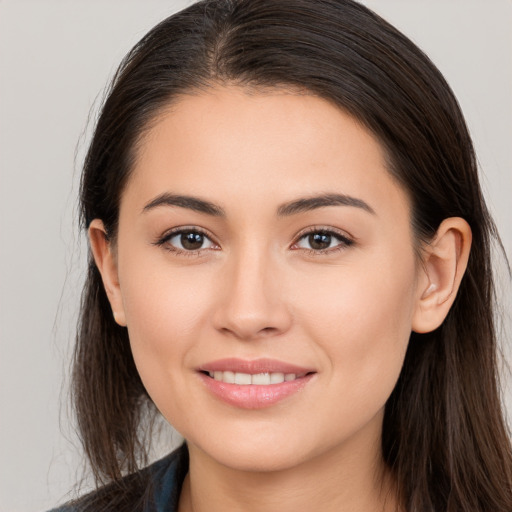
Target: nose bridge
(252,304)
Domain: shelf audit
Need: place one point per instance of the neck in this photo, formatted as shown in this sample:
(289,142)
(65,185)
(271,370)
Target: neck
(341,480)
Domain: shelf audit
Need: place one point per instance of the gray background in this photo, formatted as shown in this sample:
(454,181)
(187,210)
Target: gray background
(55,58)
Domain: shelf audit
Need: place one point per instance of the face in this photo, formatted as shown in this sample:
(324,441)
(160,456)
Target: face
(267,276)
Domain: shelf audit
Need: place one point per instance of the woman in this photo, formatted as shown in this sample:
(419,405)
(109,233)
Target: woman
(290,260)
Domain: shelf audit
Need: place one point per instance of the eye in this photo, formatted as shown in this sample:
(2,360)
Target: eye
(186,240)
(322,241)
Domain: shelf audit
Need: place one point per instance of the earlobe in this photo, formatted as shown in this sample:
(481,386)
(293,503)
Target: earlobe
(105,260)
(444,263)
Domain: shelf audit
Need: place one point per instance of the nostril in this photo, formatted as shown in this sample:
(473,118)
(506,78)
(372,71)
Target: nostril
(251,319)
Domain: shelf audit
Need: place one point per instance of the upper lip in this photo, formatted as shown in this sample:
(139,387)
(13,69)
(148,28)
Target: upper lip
(254,366)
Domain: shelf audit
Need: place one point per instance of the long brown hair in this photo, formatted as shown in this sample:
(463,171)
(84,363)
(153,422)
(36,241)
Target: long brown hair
(444,437)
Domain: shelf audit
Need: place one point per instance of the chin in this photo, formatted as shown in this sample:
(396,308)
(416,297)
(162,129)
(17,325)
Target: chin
(259,450)
(257,460)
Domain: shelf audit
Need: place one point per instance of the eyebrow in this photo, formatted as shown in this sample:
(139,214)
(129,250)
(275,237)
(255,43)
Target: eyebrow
(312,203)
(292,208)
(189,202)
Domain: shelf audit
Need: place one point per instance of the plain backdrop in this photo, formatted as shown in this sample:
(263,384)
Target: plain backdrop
(55,59)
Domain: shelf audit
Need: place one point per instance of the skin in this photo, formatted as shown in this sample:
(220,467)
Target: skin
(257,288)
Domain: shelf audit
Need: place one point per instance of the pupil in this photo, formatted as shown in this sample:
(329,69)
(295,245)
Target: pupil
(319,241)
(192,241)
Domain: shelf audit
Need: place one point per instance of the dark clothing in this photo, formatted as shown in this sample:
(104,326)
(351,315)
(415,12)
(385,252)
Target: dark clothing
(155,488)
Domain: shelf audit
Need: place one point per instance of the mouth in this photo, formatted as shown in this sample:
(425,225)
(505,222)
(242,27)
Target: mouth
(257,379)
(254,384)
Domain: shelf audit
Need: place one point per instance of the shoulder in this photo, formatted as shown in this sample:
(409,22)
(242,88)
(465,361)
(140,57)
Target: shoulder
(153,489)
(167,477)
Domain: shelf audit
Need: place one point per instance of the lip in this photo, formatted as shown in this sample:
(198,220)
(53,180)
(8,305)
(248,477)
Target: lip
(254,366)
(252,396)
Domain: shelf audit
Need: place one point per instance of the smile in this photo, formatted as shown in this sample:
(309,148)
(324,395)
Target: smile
(258,379)
(254,384)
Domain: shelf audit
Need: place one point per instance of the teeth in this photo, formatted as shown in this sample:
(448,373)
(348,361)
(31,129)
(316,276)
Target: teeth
(243,378)
(258,379)
(276,378)
(261,378)
(228,377)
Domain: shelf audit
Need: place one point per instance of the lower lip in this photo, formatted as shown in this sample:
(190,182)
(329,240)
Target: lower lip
(252,396)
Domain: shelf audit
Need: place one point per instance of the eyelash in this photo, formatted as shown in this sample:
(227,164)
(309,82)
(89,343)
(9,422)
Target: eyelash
(164,241)
(344,241)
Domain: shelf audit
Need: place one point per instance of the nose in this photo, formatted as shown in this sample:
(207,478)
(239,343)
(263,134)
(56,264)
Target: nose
(252,302)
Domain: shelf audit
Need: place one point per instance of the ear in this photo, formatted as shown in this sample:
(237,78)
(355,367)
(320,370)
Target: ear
(444,262)
(105,258)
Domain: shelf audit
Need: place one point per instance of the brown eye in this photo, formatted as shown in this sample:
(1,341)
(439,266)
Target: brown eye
(319,241)
(322,241)
(189,241)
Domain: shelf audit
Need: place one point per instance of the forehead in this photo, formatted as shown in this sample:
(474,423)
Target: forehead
(260,146)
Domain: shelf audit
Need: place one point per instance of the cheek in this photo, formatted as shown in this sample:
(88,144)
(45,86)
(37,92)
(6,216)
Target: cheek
(361,320)
(165,314)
